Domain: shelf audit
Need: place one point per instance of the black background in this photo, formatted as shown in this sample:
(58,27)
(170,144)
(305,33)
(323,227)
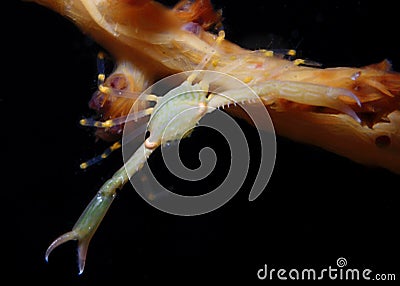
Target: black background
(316,208)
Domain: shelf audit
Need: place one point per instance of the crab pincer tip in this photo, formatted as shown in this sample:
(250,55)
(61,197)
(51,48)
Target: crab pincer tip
(72,235)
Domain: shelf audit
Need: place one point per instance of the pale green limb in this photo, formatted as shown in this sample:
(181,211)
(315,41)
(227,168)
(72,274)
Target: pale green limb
(92,216)
(299,92)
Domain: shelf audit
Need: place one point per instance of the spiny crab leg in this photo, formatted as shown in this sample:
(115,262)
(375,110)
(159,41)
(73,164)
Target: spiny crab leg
(174,102)
(300,92)
(94,213)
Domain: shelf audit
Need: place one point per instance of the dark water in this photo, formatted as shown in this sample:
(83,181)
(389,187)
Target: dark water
(317,207)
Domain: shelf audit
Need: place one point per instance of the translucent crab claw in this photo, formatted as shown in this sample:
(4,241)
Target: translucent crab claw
(88,223)
(83,244)
(90,219)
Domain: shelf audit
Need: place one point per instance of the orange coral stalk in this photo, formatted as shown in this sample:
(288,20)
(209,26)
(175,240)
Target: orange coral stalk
(150,41)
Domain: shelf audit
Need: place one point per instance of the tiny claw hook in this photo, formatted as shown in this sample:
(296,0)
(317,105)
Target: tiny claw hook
(71,235)
(82,251)
(83,244)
